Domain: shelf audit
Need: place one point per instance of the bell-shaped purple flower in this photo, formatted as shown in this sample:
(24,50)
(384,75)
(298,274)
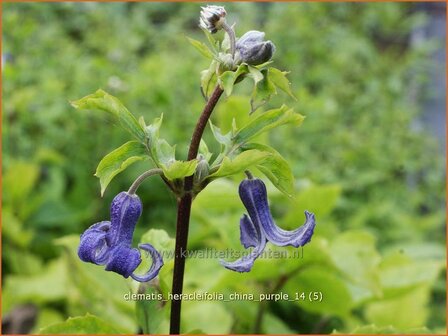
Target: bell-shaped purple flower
(110,242)
(252,49)
(260,227)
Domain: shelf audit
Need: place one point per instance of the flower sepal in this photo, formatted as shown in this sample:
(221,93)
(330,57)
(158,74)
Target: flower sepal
(109,243)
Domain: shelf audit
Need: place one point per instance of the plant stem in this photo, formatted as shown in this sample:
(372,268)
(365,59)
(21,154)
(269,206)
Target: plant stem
(229,30)
(183,213)
(142,177)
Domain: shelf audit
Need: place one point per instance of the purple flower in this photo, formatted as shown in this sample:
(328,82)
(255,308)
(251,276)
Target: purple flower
(252,49)
(110,243)
(259,227)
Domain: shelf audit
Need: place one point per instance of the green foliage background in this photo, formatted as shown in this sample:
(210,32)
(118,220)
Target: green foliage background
(375,182)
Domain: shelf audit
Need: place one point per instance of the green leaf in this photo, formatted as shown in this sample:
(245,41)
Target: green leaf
(214,44)
(118,160)
(88,324)
(399,273)
(159,239)
(165,153)
(279,79)
(228,78)
(405,311)
(240,163)
(275,168)
(263,90)
(101,100)
(319,199)
(355,254)
(201,47)
(208,79)
(267,121)
(336,299)
(49,285)
(179,169)
(161,151)
(150,312)
(88,288)
(210,312)
(256,74)
(14,231)
(45,318)
(274,325)
(204,151)
(224,139)
(152,134)
(372,329)
(18,182)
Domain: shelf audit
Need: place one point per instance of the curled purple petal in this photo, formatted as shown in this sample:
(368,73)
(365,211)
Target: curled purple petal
(125,211)
(157,263)
(123,260)
(254,196)
(251,236)
(93,247)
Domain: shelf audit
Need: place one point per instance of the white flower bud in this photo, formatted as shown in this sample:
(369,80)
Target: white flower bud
(212,18)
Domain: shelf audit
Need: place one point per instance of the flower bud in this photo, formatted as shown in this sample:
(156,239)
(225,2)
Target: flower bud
(252,49)
(212,18)
(202,171)
(226,62)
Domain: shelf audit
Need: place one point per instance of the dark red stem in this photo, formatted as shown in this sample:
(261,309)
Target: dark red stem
(183,213)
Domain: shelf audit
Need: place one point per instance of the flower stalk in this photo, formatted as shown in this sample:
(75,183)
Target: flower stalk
(133,188)
(184,211)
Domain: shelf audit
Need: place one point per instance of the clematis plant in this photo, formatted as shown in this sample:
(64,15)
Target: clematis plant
(232,60)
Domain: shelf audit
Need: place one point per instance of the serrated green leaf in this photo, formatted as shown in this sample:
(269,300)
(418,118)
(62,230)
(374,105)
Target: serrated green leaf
(165,152)
(88,324)
(214,44)
(223,139)
(101,100)
(225,44)
(279,79)
(264,89)
(204,151)
(208,79)
(118,160)
(179,169)
(161,151)
(228,78)
(275,168)
(201,47)
(267,121)
(240,163)
(256,74)
(152,135)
